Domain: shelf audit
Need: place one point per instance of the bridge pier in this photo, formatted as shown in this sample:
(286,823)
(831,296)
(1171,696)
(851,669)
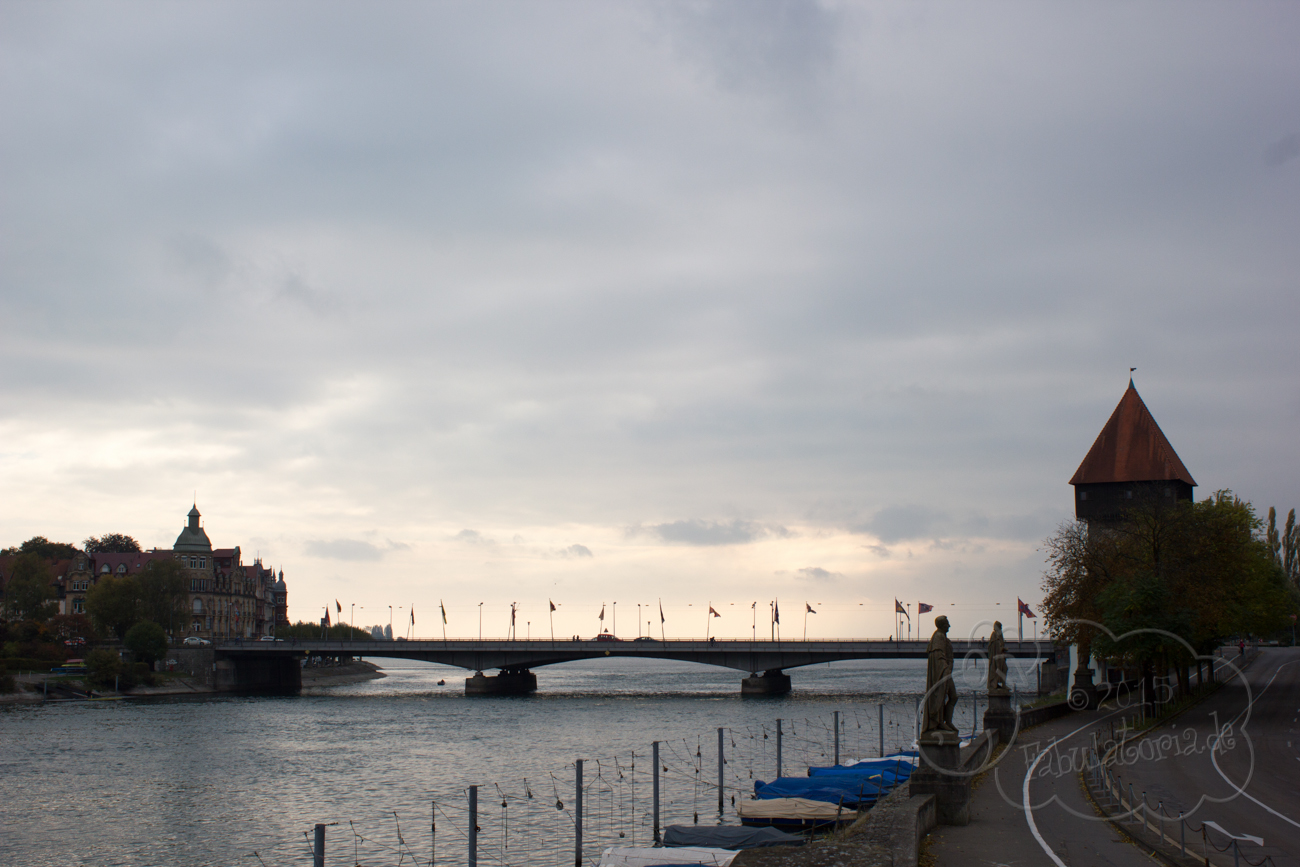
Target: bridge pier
(511,681)
(268,674)
(774,681)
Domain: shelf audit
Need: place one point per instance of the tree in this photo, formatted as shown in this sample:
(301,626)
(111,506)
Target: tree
(163,593)
(147,641)
(112,543)
(43,548)
(29,594)
(113,603)
(104,666)
(1197,570)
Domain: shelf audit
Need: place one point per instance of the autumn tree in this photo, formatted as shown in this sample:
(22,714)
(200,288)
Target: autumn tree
(147,641)
(163,593)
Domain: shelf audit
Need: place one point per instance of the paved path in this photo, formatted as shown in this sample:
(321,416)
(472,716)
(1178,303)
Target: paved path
(1250,784)
(1061,827)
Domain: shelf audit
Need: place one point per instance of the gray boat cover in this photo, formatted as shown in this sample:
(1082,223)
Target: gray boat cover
(728,837)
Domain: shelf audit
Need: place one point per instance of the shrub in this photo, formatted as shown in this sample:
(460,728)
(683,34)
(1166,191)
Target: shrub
(103,666)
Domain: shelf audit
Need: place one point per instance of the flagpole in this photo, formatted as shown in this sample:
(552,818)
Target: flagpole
(661,620)
(551,614)
(708,615)
(805,620)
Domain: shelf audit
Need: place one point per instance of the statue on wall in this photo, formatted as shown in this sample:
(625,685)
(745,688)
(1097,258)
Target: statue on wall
(997,660)
(940,691)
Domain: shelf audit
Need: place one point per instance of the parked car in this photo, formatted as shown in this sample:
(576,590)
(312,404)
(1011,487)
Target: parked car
(270,638)
(605,636)
(195,641)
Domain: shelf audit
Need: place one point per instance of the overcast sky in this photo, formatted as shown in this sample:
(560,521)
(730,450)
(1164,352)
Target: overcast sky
(596,302)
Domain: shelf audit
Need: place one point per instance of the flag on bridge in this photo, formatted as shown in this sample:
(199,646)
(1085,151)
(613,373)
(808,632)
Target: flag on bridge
(338,606)
(602,612)
(899,609)
(922,608)
(552,604)
(443,609)
(776,611)
(1023,608)
(810,608)
(661,611)
(412,615)
(327,615)
(714,613)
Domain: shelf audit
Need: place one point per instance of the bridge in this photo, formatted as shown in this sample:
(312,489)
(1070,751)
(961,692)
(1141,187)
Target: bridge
(765,661)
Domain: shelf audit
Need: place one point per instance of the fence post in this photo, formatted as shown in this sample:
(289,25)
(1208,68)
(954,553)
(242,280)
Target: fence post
(318,847)
(654,748)
(473,826)
(577,817)
(721,762)
(778,748)
(882,729)
(837,737)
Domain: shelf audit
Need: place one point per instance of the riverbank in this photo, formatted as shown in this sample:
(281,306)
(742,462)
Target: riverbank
(340,675)
(30,688)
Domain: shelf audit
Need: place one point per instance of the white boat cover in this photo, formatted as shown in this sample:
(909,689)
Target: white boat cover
(629,856)
(793,808)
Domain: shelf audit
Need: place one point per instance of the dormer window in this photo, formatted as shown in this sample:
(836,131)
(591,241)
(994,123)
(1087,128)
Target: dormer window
(121,569)
(104,570)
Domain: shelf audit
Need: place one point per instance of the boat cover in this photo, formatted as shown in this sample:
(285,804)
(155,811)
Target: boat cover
(843,789)
(728,837)
(688,856)
(899,768)
(799,809)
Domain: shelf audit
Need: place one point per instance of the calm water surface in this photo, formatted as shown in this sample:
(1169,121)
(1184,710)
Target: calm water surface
(214,780)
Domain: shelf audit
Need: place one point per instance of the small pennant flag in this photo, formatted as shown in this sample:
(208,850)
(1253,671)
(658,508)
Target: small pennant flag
(1023,608)
(714,613)
(661,611)
(898,607)
(776,611)
(338,606)
(921,608)
(412,615)
(602,613)
(327,615)
(552,604)
(444,612)
(810,608)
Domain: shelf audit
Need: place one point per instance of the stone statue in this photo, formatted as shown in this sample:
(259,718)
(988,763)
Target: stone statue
(997,660)
(940,691)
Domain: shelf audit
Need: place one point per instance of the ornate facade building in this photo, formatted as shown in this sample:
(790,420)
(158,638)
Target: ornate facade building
(227,597)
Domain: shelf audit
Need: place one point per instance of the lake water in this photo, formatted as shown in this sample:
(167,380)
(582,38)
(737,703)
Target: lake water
(238,780)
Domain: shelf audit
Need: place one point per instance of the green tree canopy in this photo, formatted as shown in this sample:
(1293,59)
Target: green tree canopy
(111,543)
(1199,570)
(43,548)
(163,594)
(29,591)
(147,641)
(114,603)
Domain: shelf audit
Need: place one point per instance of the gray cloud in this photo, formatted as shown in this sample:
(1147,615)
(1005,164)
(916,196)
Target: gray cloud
(343,549)
(817,573)
(697,532)
(576,551)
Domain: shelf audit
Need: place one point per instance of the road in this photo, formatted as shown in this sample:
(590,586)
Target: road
(1031,809)
(1247,782)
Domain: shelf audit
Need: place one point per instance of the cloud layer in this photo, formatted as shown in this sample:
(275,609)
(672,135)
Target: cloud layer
(774,284)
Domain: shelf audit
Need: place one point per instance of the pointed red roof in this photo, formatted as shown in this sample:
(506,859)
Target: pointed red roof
(1131,448)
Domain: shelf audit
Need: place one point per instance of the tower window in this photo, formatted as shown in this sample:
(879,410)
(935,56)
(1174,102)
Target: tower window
(1128,495)
(1083,495)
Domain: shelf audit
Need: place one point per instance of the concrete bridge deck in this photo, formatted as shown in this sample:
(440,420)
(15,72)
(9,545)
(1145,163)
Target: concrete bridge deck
(516,658)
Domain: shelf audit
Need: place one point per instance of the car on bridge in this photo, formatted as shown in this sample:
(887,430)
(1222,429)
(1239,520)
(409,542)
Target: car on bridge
(606,636)
(195,641)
